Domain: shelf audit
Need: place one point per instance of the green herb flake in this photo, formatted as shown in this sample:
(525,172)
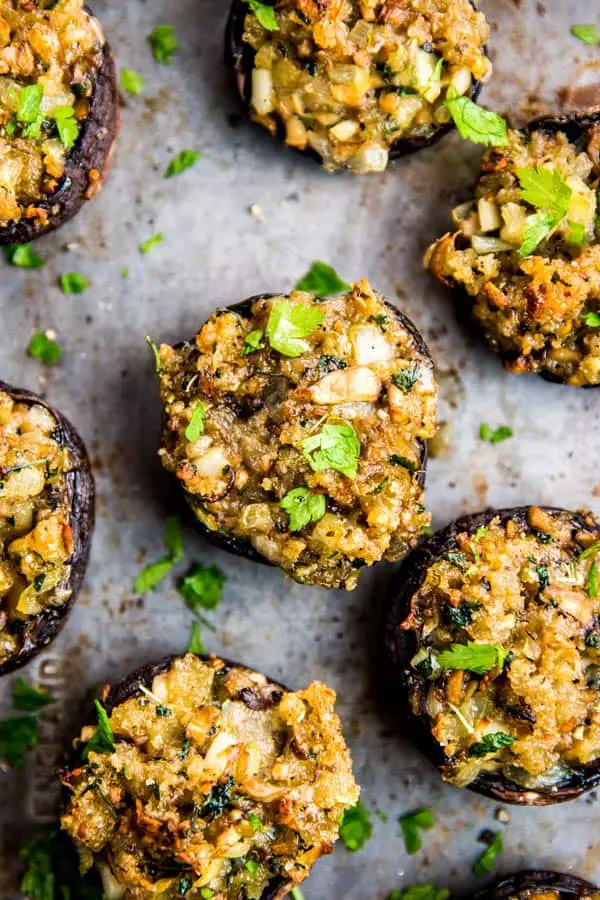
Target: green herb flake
(181,163)
(196,641)
(494,435)
(155,353)
(404,462)
(334,447)
(23,256)
(472,657)
(288,326)
(303,507)
(42,348)
(154,241)
(202,587)
(253,341)
(30,102)
(27,699)
(420,892)
(73,283)
(356,827)
(163,43)
(296,894)
(487,860)
(18,734)
(153,574)
(264,13)
(491,743)
(411,825)
(591,319)
(457,558)
(476,124)
(185,884)
(322,280)
(196,424)
(103,739)
(461,615)
(252,866)
(587,34)
(406,379)
(592,581)
(544,188)
(131,82)
(66,125)
(255,823)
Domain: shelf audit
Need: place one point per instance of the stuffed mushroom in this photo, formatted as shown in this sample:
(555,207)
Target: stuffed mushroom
(46,523)
(297,429)
(204,779)
(493,642)
(535,884)
(356,84)
(59,114)
(524,258)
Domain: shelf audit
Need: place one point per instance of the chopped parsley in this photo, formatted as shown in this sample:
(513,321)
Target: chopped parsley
(472,657)
(66,125)
(288,326)
(154,241)
(73,283)
(591,319)
(491,743)
(163,43)
(544,188)
(264,13)
(52,870)
(461,615)
(420,892)
(543,576)
(196,642)
(131,82)
(592,581)
(474,123)
(182,162)
(202,587)
(334,447)
(252,866)
(42,348)
(406,379)
(196,424)
(154,573)
(18,734)
(356,827)
(457,558)
(103,739)
(30,103)
(23,256)
(254,822)
(303,507)
(28,699)
(487,860)
(587,34)
(253,341)
(404,462)
(494,435)
(412,824)
(322,280)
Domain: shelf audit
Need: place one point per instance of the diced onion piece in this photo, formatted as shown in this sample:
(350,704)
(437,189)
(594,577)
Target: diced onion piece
(112,889)
(344,130)
(461,81)
(514,216)
(483,245)
(370,345)
(262,91)
(489,215)
(358,383)
(213,462)
(370,158)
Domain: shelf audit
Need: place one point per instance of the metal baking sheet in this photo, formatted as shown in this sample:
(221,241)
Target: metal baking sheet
(217,251)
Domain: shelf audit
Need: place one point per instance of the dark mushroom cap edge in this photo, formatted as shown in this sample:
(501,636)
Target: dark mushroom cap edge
(535,881)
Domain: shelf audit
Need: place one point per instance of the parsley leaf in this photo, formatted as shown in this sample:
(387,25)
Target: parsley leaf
(545,188)
(30,102)
(420,892)
(491,743)
(253,341)
(154,573)
(288,325)
(472,657)
(587,34)
(149,244)
(196,643)
(196,424)
(406,379)
(494,436)
(410,825)
(591,319)
(334,447)
(23,256)
(322,281)
(41,347)
(183,161)
(163,42)
(476,123)
(264,13)
(73,283)
(537,229)
(486,861)
(254,822)
(592,581)
(27,699)
(461,615)
(103,739)
(131,82)
(303,507)
(66,125)
(17,735)
(202,587)
(52,870)
(356,828)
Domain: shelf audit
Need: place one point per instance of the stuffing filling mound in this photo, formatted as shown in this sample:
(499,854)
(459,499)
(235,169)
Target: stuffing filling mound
(526,252)
(298,425)
(49,56)
(36,541)
(215,783)
(348,79)
(508,665)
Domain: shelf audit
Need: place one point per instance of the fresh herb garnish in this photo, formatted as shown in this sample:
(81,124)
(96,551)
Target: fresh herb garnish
(404,462)
(182,162)
(52,870)
(288,325)
(544,188)
(23,256)
(154,241)
(103,739)
(252,866)
(487,860)
(163,42)
(334,447)
(491,743)
(196,641)
(406,379)
(494,435)
(18,734)
(28,699)
(411,824)
(543,576)
(587,34)
(303,507)
(457,558)
(591,319)
(218,799)
(472,657)
(322,280)
(202,587)
(474,123)
(66,125)
(253,341)
(264,13)
(154,573)
(461,615)
(592,581)
(195,426)
(131,82)
(420,892)
(41,347)
(73,283)
(254,822)
(30,102)
(356,827)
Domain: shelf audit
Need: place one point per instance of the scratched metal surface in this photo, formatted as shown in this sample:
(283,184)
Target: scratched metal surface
(215,252)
